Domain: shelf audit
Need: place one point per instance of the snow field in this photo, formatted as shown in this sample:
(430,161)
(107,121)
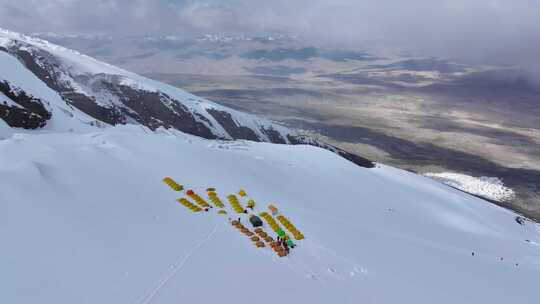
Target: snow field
(86,218)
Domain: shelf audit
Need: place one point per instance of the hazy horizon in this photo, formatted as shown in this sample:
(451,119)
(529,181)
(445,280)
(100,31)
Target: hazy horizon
(484,31)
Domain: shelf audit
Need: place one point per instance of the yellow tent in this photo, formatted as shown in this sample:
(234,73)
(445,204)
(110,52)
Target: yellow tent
(171,183)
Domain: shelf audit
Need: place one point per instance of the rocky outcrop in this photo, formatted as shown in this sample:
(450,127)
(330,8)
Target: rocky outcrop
(358,160)
(19,96)
(30,113)
(156,109)
(236,131)
(21,118)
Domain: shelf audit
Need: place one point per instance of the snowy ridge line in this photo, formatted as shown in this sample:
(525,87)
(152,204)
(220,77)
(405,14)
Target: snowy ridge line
(7,36)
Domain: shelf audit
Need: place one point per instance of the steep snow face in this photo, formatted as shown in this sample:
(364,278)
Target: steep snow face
(85,218)
(39,99)
(115,96)
(488,187)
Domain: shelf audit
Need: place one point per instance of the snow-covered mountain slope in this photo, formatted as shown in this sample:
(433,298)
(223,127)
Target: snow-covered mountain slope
(85,218)
(116,96)
(26,102)
(43,85)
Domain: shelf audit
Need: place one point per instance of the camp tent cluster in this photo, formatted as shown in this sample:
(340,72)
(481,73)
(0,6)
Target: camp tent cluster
(260,238)
(235,204)
(171,183)
(189,205)
(212,195)
(255,239)
(199,200)
(285,222)
(271,222)
(251,203)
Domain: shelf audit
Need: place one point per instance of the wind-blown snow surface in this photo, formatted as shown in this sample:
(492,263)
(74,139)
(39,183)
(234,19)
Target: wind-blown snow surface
(85,218)
(488,187)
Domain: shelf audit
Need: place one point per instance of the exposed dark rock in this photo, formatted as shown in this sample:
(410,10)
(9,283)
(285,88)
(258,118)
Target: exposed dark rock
(358,160)
(31,114)
(44,74)
(31,103)
(21,118)
(295,140)
(47,71)
(149,109)
(237,132)
(110,115)
(273,135)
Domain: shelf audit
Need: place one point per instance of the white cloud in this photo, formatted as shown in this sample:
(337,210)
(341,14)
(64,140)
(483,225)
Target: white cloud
(477,30)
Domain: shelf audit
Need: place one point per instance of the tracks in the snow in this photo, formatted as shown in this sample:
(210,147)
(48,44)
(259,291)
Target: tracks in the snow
(175,269)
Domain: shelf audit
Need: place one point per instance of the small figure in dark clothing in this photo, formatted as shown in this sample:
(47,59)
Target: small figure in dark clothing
(472,253)
(286,247)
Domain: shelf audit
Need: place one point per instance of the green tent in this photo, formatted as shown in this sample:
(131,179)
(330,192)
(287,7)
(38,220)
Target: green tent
(281,233)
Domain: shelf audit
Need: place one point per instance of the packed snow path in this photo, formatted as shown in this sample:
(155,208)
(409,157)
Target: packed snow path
(85,219)
(176,267)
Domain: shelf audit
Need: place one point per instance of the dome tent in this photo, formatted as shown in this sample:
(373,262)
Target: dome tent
(255,221)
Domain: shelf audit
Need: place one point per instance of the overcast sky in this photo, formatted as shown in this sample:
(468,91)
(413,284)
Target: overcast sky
(477,30)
